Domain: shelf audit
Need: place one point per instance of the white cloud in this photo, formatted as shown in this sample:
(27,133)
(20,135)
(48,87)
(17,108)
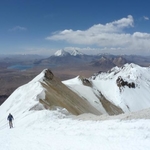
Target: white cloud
(124,22)
(101,35)
(146,18)
(111,35)
(18,28)
(141,35)
(97,34)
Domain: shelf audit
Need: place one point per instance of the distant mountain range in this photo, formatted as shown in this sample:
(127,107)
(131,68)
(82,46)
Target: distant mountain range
(103,61)
(62,53)
(63,58)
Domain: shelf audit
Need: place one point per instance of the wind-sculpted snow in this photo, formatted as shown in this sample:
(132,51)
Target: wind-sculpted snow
(54,130)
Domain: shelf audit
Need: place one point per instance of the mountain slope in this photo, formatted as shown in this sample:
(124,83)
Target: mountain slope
(61,53)
(84,88)
(76,53)
(126,87)
(63,58)
(46,92)
(119,90)
(57,94)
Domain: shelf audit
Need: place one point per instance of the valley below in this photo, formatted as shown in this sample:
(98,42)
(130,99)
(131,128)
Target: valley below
(11,78)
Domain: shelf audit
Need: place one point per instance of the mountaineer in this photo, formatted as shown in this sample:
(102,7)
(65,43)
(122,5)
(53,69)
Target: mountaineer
(10,118)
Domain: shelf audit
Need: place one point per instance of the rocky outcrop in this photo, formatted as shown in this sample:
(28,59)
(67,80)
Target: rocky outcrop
(59,95)
(110,108)
(85,81)
(48,74)
(121,83)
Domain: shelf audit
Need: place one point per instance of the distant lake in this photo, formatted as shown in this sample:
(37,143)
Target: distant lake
(21,67)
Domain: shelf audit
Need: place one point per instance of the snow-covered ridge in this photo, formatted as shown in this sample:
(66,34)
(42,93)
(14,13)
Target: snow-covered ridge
(52,129)
(75,53)
(62,53)
(24,98)
(131,94)
(43,92)
(128,71)
(119,90)
(129,99)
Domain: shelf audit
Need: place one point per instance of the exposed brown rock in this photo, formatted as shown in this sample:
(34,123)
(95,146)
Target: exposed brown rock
(110,108)
(59,95)
(48,74)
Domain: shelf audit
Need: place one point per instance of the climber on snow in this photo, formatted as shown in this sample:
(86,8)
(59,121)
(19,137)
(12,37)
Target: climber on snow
(10,118)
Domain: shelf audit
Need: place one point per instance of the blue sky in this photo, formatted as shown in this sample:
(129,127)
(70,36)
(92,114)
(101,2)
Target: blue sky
(91,26)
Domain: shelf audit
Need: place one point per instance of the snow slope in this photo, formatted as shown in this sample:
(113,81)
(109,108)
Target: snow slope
(75,53)
(44,130)
(128,99)
(61,53)
(24,98)
(40,129)
(86,92)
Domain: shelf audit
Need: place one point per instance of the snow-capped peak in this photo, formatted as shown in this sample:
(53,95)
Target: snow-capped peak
(75,53)
(61,53)
(132,90)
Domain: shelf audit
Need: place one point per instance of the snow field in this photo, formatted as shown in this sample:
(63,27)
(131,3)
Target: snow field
(44,130)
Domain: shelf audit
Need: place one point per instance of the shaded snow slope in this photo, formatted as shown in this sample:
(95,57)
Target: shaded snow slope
(93,95)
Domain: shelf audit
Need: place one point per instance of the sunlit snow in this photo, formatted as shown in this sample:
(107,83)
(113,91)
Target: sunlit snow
(59,130)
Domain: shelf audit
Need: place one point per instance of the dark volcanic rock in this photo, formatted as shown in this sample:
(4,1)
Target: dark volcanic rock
(48,74)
